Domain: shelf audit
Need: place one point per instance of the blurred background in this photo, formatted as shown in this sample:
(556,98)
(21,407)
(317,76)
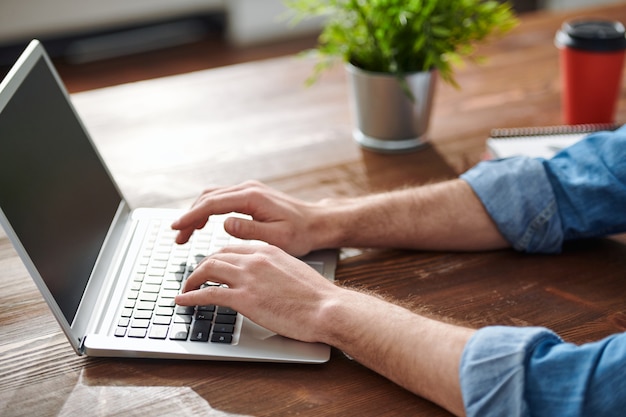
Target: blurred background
(97,43)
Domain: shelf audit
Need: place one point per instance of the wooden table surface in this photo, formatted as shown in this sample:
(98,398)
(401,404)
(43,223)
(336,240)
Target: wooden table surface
(168,138)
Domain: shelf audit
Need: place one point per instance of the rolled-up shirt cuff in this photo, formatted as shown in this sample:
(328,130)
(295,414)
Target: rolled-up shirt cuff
(518,195)
(492,369)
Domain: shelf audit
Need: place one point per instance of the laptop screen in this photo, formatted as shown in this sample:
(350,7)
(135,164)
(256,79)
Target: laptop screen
(54,190)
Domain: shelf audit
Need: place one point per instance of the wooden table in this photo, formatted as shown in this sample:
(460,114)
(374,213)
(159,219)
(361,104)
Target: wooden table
(166,139)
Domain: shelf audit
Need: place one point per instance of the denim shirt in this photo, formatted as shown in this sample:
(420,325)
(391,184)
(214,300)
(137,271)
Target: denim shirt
(516,371)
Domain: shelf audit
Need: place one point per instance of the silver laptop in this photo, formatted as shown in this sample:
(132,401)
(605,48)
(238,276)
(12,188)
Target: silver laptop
(108,273)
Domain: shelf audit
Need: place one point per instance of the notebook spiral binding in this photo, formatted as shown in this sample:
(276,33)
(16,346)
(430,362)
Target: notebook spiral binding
(552,130)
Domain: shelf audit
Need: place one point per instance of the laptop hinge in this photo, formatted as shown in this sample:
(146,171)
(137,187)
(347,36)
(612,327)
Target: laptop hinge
(81,345)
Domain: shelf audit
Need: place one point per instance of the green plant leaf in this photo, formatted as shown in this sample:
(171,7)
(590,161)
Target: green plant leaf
(404,36)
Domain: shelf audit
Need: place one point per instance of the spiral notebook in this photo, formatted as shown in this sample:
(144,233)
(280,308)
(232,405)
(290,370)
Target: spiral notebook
(542,142)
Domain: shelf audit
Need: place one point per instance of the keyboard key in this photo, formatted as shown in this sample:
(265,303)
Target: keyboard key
(177,269)
(226,311)
(173,276)
(148,296)
(206,308)
(164,311)
(165,320)
(182,318)
(223,328)
(163,248)
(143,314)
(221,338)
(145,305)
(204,315)
(185,310)
(140,323)
(169,293)
(166,302)
(179,332)
(150,288)
(153,280)
(225,319)
(171,285)
(156,264)
(139,333)
(120,331)
(179,255)
(200,331)
(160,257)
(155,272)
(158,332)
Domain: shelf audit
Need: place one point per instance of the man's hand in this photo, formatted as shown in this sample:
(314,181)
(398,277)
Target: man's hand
(265,284)
(441,216)
(277,218)
(286,296)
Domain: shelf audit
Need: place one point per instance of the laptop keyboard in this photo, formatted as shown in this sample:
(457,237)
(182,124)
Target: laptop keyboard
(149,310)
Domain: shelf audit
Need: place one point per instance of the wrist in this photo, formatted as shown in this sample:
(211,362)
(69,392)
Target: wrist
(336,317)
(352,222)
(329,223)
(348,318)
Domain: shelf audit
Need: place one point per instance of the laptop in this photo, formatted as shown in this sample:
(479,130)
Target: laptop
(109,273)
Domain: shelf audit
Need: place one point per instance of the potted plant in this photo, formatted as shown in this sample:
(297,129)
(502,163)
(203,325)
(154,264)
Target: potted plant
(394,51)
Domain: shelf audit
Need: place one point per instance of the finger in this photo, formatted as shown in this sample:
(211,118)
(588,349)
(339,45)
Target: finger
(247,198)
(224,267)
(214,270)
(249,229)
(237,250)
(214,204)
(243,198)
(214,191)
(183,235)
(192,220)
(205,296)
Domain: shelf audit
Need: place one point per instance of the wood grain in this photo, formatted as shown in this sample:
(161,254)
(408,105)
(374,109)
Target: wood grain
(166,139)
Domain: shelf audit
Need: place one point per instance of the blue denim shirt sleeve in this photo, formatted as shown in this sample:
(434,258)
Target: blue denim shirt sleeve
(519,198)
(538,204)
(508,371)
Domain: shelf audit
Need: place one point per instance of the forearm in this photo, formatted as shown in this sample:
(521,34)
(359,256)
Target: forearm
(443,216)
(418,353)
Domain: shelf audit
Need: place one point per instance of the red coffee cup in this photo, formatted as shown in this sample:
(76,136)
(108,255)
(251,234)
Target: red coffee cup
(592,58)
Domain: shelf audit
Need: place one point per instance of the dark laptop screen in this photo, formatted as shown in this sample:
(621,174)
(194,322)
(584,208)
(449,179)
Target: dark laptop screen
(54,189)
